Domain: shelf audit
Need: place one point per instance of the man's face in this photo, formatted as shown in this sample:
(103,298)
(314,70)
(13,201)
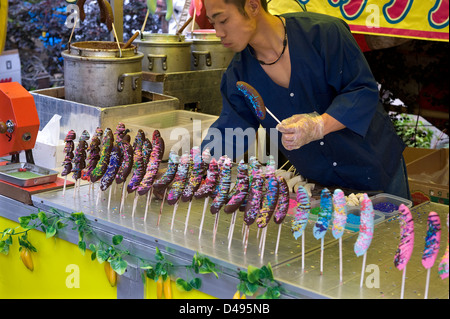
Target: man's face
(234,30)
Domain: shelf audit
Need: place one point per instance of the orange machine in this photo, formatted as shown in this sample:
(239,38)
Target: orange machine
(19,121)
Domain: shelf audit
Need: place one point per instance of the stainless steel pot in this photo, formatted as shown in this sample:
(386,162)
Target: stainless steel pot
(164,53)
(208,52)
(97,73)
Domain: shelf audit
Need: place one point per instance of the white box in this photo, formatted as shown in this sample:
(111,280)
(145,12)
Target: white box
(181,130)
(47,156)
(10,67)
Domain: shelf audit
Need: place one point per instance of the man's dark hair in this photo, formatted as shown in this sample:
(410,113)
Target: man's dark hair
(241,3)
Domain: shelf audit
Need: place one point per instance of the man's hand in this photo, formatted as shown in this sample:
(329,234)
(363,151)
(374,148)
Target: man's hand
(301,129)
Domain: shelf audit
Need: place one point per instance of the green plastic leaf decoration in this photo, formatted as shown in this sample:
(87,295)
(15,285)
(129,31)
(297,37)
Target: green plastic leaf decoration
(183,285)
(50,232)
(102,256)
(119,265)
(43,218)
(117,239)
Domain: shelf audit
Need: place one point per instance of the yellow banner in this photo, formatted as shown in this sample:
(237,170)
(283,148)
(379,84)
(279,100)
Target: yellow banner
(417,19)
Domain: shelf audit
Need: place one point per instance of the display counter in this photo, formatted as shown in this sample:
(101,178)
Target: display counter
(141,238)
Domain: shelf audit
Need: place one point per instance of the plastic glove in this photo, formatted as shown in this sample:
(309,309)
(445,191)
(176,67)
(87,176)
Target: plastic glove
(301,129)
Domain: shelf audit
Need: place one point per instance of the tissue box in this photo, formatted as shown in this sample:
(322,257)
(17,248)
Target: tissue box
(10,66)
(47,156)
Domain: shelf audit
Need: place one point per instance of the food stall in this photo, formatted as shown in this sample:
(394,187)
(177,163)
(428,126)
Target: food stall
(66,234)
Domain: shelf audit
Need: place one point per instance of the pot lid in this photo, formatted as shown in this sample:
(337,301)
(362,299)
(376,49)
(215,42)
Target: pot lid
(205,35)
(162,37)
(101,49)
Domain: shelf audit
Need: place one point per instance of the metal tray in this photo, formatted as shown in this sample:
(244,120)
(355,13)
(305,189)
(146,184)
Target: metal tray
(10,173)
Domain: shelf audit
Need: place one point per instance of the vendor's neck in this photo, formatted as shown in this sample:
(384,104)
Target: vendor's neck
(267,41)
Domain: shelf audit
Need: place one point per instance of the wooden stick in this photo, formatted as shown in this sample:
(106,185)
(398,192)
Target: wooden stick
(133,37)
(203,216)
(98,195)
(136,197)
(117,40)
(122,197)
(184,26)
(187,217)
(244,231)
(363,270)
(73,29)
(263,235)
(247,230)
(173,215)
(64,187)
(232,223)
(427,284)
(109,197)
(161,207)
(216,223)
(340,259)
(147,204)
(230,233)
(75,188)
(402,292)
(321,256)
(278,239)
(303,253)
(193,19)
(273,116)
(261,239)
(145,22)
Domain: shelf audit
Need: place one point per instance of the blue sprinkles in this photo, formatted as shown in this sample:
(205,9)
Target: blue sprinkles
(385,207)
(253,100)
(353,219)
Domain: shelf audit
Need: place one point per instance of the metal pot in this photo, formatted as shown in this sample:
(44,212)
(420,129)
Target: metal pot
(208,51)
(164,53)
(97,73)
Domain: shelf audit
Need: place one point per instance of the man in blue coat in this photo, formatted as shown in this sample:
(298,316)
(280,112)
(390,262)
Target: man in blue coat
(311,74)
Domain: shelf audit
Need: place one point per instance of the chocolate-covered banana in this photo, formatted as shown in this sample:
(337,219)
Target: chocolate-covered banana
(179,181)
(168,176)
(209,183)
(68,149)
(270,198)
(283,201)
(223,186)
(113,167)
(127,160)
(219,169)
(146,151)
(241,189)
(79,161)
(67,163)
(94,153)
(195,176)
(152,167)
(157,139)
(138,162)
(102,165)
(120,132)
(255,196)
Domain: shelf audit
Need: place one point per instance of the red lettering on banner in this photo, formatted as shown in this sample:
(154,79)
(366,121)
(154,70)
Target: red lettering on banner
(396,10)
(438,16)
(353,9)
(5,80)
